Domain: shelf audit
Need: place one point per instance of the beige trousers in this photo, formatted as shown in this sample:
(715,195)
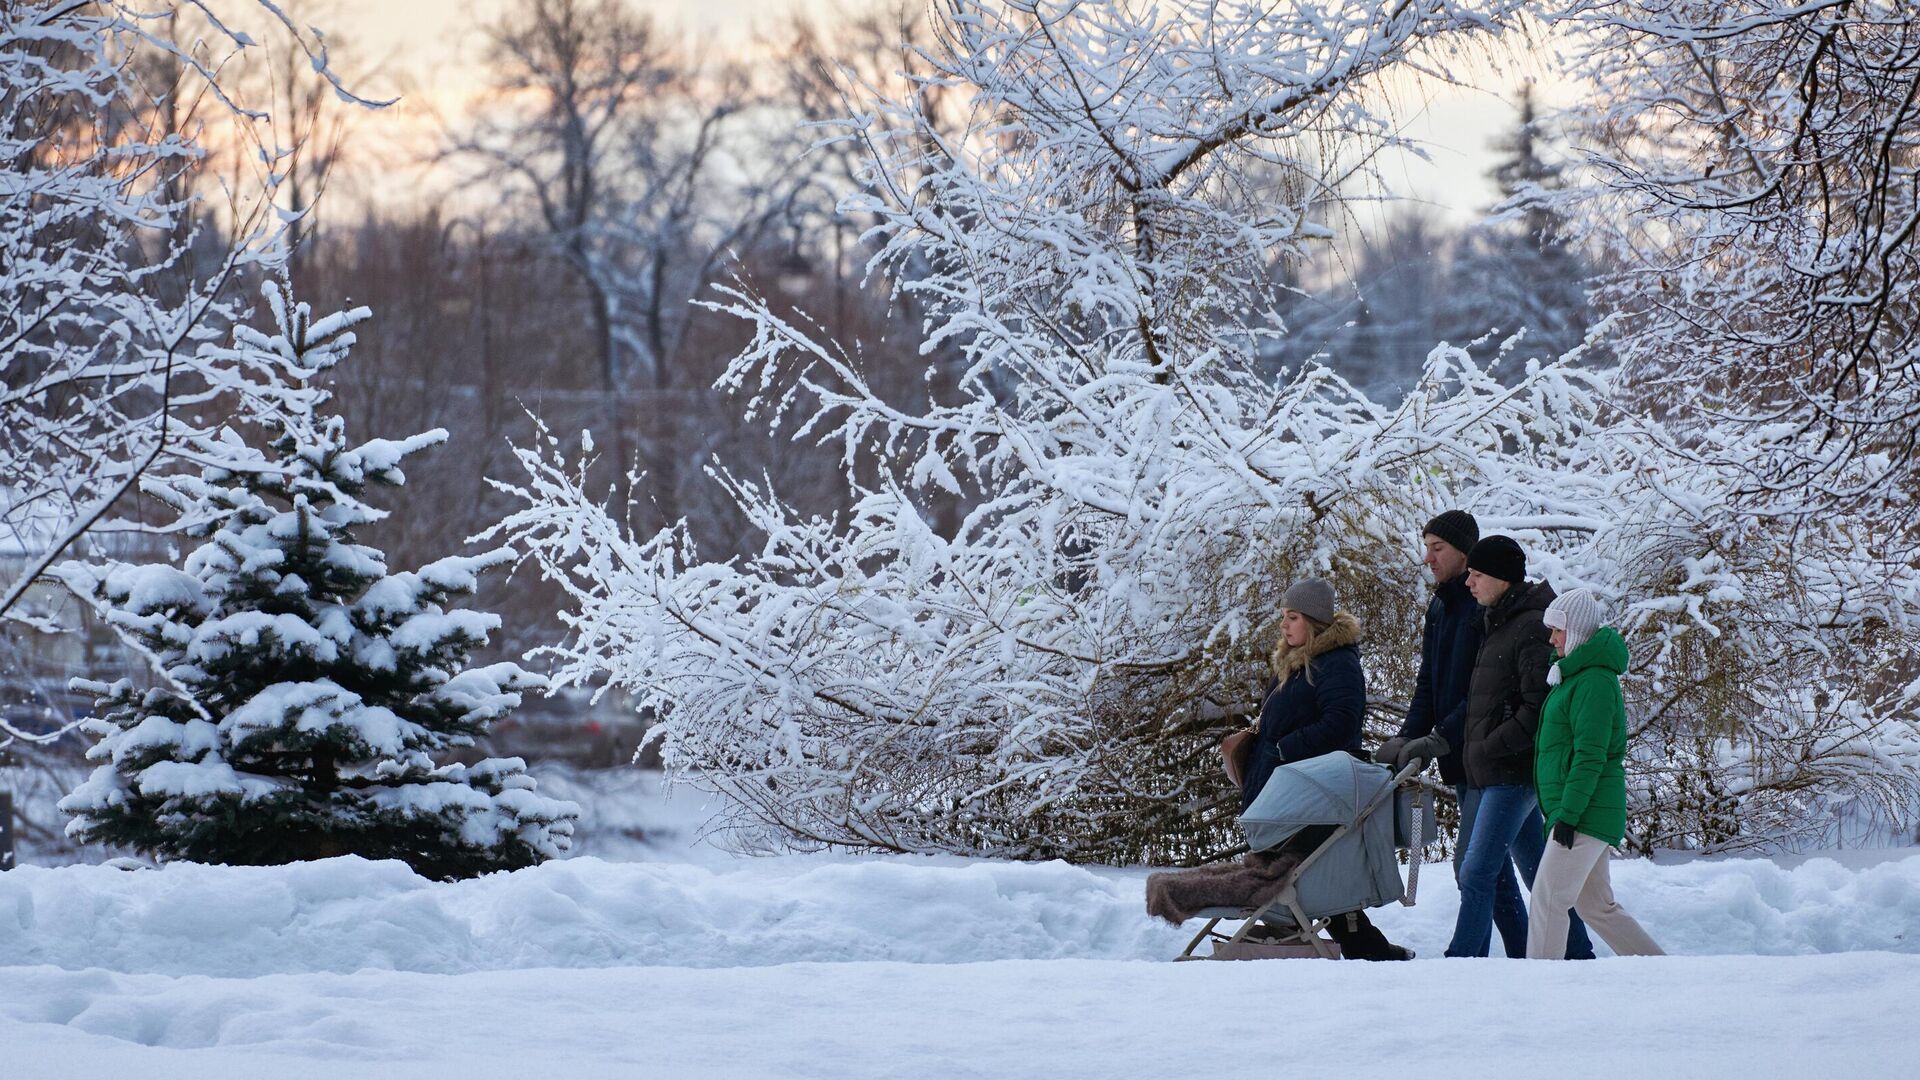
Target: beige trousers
(1576,878)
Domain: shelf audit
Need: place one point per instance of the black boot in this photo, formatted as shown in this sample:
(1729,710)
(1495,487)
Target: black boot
(1359,939)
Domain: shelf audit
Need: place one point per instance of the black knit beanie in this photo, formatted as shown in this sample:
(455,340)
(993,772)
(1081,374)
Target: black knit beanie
(1499,557)
(1456,527)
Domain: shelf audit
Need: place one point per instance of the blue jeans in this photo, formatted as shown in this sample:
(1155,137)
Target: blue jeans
(1499,827)
(1509,910)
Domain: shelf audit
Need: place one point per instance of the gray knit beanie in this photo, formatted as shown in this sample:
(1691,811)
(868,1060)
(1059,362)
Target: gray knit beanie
(1312,597)
(1578,613)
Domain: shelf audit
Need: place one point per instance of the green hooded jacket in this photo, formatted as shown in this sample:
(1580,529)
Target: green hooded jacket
(1580,753)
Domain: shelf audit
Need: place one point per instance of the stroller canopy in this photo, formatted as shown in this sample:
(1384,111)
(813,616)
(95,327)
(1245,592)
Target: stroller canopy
(1357,870)
(1330,789)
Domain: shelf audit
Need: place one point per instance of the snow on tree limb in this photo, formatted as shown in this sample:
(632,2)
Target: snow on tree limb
(1051,677)
(107,368)
(1758,185)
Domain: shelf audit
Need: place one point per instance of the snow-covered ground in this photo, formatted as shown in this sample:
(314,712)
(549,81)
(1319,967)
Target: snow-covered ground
(694,964)
(1747,1017)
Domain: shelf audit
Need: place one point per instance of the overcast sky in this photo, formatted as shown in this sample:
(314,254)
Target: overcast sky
(428,51)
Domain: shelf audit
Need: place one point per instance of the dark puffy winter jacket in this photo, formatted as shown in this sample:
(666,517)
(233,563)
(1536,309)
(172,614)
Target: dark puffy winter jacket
(1508,687)
(1449,645)
(1316,707)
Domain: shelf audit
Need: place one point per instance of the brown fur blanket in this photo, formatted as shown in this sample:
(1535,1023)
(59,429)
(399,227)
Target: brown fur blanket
(1175,895)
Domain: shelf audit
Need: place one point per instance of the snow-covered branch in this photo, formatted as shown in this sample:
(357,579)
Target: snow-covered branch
(1050,676)
(114,284)
(1758,185)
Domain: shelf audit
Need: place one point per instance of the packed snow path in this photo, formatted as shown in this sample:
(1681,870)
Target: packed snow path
(1744,1017)
(909,967)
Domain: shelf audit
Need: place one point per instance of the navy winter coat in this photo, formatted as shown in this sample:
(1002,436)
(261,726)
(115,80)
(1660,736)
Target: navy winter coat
(1317,710)
(1449,642)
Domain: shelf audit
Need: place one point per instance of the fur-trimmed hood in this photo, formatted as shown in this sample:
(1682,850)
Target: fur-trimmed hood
(1343,630)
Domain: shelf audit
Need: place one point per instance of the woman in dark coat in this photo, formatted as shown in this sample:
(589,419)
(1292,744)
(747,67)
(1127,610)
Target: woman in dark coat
(1317,698)
(1315,705)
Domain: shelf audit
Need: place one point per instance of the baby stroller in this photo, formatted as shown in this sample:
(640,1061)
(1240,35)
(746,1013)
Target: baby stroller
(1352,816)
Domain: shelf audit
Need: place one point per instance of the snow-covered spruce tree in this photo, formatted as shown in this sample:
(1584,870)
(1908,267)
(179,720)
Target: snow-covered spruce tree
(301,689)
(1051,678)
(1518,270)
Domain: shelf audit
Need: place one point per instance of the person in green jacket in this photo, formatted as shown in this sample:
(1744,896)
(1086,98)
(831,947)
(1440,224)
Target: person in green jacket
(1579,767)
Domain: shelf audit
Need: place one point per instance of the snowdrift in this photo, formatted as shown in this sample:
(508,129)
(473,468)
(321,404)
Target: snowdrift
(349,914)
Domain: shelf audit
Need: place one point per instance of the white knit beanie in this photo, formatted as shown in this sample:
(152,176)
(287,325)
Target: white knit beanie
(1578,613)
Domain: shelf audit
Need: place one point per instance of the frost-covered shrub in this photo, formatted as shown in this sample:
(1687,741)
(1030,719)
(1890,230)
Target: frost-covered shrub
(301,689)
(874,683)
(1051,678)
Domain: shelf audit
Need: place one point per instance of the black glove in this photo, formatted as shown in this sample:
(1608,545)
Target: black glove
(1425,748)
(1389,752)
(1563,834)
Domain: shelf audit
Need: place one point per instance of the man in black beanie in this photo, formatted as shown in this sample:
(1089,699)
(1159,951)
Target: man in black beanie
(1449,641)
(1504,694)
(1436,720)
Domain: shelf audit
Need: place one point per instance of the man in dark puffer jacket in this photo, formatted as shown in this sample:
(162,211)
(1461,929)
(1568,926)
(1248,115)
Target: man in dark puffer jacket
(1504,696)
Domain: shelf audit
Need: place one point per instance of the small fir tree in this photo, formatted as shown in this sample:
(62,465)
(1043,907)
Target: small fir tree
(1517,271)
(302,691)
(1523,174)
